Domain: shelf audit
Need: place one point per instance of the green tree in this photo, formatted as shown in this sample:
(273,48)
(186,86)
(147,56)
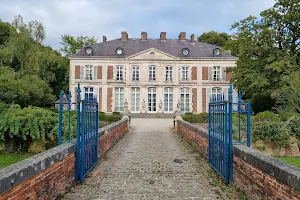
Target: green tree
(213,37)
(70,44)
(5,32)
(266,48)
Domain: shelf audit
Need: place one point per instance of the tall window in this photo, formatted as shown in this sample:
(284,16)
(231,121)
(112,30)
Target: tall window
(135,99)
(88,72)
(169,76)
(168,100)
(151,99)
(152,75)
(185,99)
(135,73)
(88,93)
(216,93)
(119,99)
(119,73)
(216,73)
(185,73)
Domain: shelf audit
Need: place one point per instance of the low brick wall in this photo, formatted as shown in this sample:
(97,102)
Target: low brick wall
(51,173)
(258,175)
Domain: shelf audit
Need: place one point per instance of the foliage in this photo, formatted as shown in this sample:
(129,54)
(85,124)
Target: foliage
(109,118)
(30,123)
(116,113)
(267,48)
(213,37)
(28,90)
(5,32)
(277,133)
(70,44)
(196,118)
(294,123)
(263,117)
(261,102)
(7,159)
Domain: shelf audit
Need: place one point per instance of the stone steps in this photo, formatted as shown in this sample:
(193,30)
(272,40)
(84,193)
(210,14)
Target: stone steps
(151,115)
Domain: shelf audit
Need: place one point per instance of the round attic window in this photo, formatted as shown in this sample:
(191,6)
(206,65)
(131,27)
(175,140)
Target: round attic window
(89,50)
(152,53)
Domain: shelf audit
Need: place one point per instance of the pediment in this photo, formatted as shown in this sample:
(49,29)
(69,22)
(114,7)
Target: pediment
(152,54)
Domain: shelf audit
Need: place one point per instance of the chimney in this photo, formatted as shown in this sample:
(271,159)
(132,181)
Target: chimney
(192,38)
(124,36)
(182,36)
(104,38)
(163,36)
(144,36)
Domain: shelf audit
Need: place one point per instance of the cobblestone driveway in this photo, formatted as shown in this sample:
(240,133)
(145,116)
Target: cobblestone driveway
(150,162)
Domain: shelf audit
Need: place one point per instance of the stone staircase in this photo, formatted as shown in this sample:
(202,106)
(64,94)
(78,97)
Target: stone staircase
(151,115)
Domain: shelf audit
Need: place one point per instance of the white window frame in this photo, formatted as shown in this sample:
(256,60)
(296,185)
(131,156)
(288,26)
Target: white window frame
(135,99)
(135,73)
(119,99)
(185,73)
(152,73)
(217,73)
(89,93)
(169,73)
(168,99)
(185,98)
(153,97)
(89,72)
(119,73)
(216,93)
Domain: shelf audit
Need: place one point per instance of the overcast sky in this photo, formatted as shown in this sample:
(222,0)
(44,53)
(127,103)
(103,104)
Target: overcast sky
(110,17)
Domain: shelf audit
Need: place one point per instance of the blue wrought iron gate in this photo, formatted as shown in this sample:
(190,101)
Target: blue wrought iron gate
(220,140)
(86,131)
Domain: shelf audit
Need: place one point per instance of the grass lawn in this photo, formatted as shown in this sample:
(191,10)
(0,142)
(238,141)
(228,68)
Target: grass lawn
(7,159)
(295,161)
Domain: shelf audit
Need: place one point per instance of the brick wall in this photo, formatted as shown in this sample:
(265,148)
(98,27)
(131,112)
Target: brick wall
(258,175)
(99,75)
(204,73)
(194,99)
(110,72)
(194,73)
(51,173)
(109,100)
(203,99)
(77,72)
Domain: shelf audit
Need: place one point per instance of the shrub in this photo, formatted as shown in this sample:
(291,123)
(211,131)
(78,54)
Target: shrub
(109,118)
(196,118)
(275,132)
(116,113)
(294,123)
(266,116)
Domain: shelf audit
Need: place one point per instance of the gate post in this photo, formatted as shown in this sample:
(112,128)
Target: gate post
(60,118)
(230,136)
(77,168)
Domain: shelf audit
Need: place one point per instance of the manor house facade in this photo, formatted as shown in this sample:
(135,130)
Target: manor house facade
(151,75)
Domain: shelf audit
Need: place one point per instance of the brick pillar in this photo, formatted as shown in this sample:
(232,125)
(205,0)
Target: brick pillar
(77,72)
(204,100)
(204,73)
(194,99)
(100,100)
(228,76)
(110,71)
(194,73)
(99,76)
(109,99)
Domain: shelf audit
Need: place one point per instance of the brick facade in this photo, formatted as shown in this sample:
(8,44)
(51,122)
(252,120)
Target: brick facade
(109,99)
(99,75)
(204,100)
(194,99)
(228,76)
(204,73)
(110,72)
(256,174)
(77,72)
(194,73)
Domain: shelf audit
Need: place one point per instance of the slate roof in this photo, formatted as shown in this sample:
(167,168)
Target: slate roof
(169,46)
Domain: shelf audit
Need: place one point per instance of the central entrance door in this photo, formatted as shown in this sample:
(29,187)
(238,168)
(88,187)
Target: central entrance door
(151,100)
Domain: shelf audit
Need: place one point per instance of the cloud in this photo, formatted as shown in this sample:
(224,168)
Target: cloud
(110,17)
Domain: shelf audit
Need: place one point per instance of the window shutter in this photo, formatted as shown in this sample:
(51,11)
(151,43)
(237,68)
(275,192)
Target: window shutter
(95,72)
(225,92)
(95,90)
(210,74)
(77,72)
(82,93)
(208,98)
(223,71)
(82,72)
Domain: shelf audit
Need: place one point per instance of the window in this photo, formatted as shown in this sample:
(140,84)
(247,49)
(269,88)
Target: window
(135,73)
(169,76)
(185,73)
(88,93)
(119,99)
(152,76)
(119,73)
(216,93)
(151,99)
(135,99)
(185,99)
(216,73)
(168,100)
(88,72)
